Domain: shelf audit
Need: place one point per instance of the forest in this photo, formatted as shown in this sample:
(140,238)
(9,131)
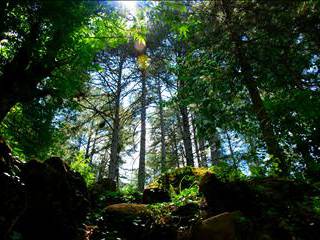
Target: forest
(162,120)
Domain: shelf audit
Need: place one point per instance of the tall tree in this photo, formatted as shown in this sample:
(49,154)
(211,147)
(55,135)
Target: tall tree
(143,115)
(42,41)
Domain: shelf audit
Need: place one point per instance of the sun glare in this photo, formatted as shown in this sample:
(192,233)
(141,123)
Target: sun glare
(129,6)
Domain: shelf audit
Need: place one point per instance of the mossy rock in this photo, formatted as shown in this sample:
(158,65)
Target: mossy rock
(219,227)
(155,195)
(178,179)
(125,221)
(281,208)
(128,209)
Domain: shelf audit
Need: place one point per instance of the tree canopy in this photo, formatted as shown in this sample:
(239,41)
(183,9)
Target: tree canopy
(173,83)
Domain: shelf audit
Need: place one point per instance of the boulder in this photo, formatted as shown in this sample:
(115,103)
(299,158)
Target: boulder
(226,196)
(103,185)
(12,202)
(280,208)
(125,220)
(178,179)
(219,227)
(103,193)
(57,201)
(185,215)
(12,195)
(155,195)
(131,210)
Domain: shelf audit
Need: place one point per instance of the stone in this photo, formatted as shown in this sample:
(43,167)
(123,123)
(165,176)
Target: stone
(219,227)
(99,193)
(155,195)
(128,209)
(279,208)
(126,220)
(12,202)
(56,201)
(225,196)
(179,179)
(12,195)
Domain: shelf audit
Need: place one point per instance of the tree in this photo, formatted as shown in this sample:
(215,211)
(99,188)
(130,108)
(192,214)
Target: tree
(47,48)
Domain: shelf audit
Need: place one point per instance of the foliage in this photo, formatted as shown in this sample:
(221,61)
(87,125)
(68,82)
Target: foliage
(80,165)
(316,204)
(176,180)
(238,79)
(130,194)
(188,195)
(226,172)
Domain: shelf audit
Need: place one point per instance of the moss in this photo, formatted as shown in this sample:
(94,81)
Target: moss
(179,179)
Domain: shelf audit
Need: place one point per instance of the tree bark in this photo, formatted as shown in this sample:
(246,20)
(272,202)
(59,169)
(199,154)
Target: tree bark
(195,141)
(162,128)
(248,80)
(214,149)
(90,133)
(233,158)
(142,156)
(102,166)
(186,136)
(265,123)
(202,151)
(20,76)
(114,154)
(93,148)
(175,150)
(5,105)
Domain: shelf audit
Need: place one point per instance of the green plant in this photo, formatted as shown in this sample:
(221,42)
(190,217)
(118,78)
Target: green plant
(186,196)
(316,205)
(130,193)
(226,172)
(81,165)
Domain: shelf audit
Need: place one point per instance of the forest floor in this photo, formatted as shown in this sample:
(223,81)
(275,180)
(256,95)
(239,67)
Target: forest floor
(48,200)
(194,203)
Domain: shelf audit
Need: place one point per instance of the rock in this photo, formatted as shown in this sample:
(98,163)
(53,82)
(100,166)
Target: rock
(127,209)
(103,193)
(8,163)
(225,196)
(162,232)
(155,195)
(280,208)
(103,185)
(12,202)
(12,195)
(219,227)
(190,209)
(178,179)
(57,201)
(40,200)
(125,220)
(185,215)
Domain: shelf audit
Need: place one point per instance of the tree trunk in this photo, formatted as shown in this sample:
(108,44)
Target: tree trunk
(214,149)
(102,166)
(20,77)
(93,148)
(233,158)
(87,153)
(142,157)
(114,154)
(5,106)
(175,150)
(202,151)
(250,83)
(268,134)
(195,141)
(186,135)
(162,129)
